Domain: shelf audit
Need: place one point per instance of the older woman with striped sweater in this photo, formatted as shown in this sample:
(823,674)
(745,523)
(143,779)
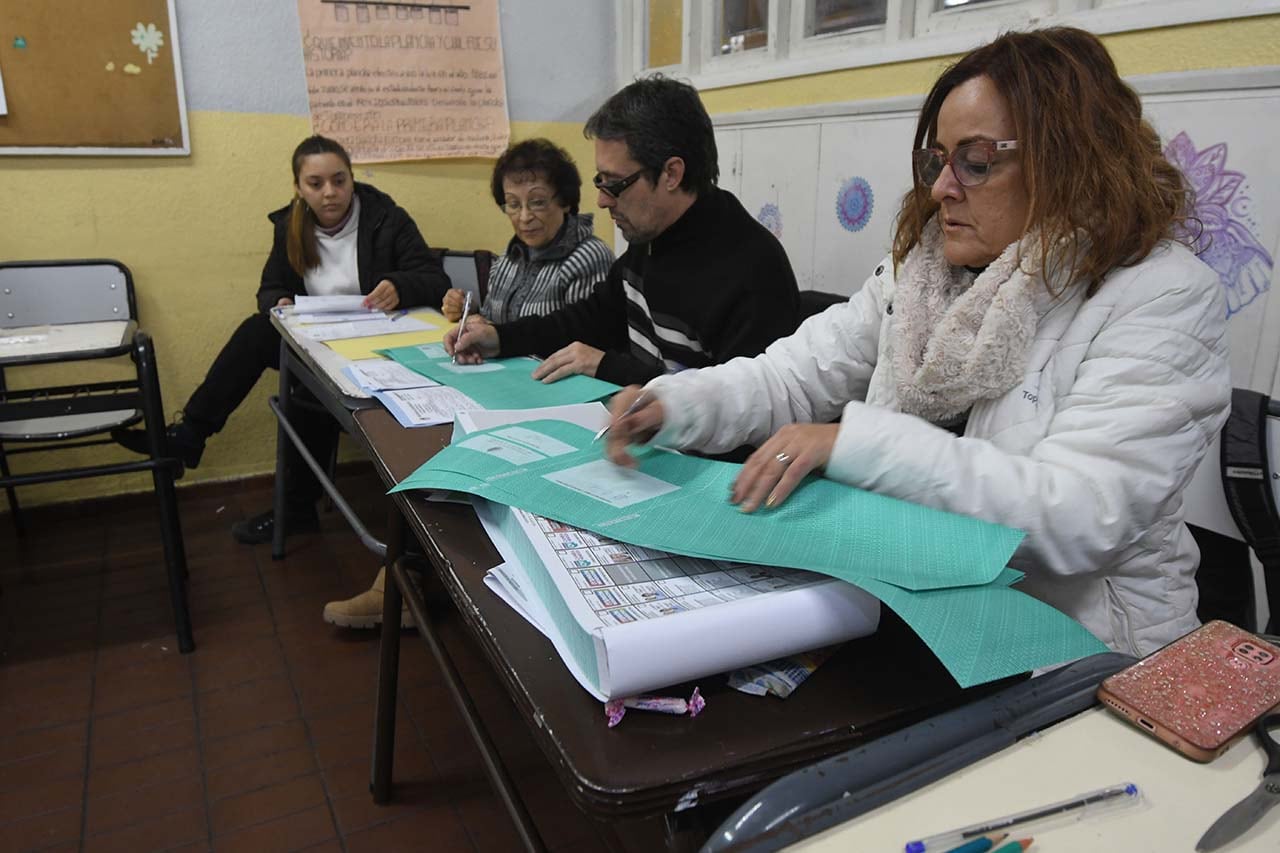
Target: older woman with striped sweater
(554,258)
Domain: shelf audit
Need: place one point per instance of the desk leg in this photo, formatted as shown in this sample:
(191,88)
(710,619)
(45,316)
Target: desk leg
(501,780)
(278,533)
(384,727)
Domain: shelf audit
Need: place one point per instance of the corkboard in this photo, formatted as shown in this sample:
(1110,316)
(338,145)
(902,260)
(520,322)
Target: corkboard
(77,83)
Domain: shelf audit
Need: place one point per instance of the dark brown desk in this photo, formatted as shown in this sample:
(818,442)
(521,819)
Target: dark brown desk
(650,764)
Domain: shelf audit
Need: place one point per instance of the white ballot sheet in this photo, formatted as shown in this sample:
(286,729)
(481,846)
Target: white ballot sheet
(339,331)
(381,374)
(340,317)
(420,407)
(327,304)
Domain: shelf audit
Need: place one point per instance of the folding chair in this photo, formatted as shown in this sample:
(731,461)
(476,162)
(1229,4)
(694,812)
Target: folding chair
(468,270)
(77,310)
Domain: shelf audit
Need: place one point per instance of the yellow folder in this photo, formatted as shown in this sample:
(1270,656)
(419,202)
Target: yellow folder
(357,348)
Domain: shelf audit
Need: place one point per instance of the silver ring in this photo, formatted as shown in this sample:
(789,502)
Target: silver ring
(784,458)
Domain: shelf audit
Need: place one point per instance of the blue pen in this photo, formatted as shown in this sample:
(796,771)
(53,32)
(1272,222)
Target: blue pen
(398,315)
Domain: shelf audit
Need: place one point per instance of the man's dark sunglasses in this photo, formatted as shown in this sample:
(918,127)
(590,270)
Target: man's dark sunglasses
(616,188)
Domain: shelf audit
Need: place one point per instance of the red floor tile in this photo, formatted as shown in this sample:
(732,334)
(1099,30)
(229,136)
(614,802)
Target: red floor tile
(259,741)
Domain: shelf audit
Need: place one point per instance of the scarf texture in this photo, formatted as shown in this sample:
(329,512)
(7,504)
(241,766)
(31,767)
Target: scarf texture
(958,339)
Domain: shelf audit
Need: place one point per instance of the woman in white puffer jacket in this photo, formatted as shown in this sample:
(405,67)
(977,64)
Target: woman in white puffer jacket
(1039,350)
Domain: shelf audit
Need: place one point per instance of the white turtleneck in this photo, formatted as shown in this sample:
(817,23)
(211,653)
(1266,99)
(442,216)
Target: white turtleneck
(337,272)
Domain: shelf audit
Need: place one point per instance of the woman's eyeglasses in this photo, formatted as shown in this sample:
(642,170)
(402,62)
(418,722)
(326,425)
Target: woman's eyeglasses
(536,206)
(615,188)
(970,163)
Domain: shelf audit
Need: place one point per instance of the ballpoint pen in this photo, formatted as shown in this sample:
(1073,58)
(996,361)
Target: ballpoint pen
(398,314)
(1091,802)
(635,405)
(462,324)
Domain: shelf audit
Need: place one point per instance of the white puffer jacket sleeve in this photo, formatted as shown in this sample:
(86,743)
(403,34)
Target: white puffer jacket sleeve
(1151,391)
(1127,429)
(806,378)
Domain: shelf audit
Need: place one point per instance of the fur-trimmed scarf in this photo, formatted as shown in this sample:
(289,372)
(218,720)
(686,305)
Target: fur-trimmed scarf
(960,339)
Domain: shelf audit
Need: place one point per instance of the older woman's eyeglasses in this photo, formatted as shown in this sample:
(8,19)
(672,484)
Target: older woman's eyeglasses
(970,163)
(536,206)
(615,188)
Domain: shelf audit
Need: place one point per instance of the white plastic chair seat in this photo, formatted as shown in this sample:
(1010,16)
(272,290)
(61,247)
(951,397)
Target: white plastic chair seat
(67,426)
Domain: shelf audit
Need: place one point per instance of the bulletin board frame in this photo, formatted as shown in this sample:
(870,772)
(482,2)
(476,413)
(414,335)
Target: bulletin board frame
(165,147)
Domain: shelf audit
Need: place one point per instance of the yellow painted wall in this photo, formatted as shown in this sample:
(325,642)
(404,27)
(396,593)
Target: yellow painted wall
(1220,44)
(194,232)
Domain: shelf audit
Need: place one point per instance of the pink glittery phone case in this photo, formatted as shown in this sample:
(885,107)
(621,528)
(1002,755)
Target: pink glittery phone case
(1200,692)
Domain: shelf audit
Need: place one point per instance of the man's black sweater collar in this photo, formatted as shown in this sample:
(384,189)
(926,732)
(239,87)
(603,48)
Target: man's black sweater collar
(691,227)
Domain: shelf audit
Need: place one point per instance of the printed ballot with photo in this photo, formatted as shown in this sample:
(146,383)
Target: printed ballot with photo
(644,578)
(625,618)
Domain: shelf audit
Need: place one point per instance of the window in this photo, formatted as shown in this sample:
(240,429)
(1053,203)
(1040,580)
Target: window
(729,42)
(826,17)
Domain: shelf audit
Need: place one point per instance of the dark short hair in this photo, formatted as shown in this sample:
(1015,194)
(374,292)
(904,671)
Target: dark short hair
(539,157)
(659,118)
(317,145)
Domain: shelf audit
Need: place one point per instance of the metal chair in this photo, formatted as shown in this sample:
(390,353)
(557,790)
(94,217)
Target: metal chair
(78,310)
(468,270)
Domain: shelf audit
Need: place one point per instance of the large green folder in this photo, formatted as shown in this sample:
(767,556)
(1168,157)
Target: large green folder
(943,573)
(500,383)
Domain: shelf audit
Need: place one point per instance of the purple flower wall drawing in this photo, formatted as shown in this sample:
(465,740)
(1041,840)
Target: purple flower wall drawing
(1228,241)
(854,204)
(771,217)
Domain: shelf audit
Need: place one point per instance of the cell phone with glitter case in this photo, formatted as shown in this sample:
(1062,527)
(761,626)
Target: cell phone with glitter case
(1201,692)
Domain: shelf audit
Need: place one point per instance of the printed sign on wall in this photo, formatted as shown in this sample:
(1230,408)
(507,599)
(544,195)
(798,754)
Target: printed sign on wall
(406,81)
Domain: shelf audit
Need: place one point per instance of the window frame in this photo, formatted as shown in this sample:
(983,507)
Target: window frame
(912,30)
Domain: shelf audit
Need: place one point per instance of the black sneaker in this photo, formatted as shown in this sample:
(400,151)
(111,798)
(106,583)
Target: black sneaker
(260,528)
(181,441)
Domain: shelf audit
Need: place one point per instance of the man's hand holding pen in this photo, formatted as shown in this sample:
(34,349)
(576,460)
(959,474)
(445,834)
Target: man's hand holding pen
(475,343)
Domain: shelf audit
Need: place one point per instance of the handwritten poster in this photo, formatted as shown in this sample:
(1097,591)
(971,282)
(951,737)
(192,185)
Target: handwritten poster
(405,80)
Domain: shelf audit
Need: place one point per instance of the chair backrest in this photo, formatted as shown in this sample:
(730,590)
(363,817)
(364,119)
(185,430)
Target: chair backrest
(816,301)
(37,293)
(468,270)
(1251,481)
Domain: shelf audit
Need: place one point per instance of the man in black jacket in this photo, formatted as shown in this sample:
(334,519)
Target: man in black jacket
(701,281)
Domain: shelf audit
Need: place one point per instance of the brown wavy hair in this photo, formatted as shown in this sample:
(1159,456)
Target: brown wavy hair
(300,242)
(1101,192)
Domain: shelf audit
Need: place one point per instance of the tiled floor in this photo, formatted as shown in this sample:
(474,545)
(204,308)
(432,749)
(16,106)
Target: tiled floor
(260,740)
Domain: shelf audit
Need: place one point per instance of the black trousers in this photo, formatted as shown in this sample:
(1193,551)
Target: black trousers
(254,347)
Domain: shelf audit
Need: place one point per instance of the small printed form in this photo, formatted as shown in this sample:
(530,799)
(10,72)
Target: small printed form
(421,407)
(379,374)
(337,331)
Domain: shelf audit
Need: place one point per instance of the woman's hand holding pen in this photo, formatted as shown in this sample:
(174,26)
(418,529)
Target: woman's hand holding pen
(384,297)
(772,473)
(635,417)
(475,343)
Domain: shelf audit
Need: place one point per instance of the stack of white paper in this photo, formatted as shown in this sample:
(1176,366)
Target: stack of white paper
(627,619)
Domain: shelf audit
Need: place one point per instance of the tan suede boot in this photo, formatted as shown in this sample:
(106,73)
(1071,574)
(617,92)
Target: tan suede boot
(365,610)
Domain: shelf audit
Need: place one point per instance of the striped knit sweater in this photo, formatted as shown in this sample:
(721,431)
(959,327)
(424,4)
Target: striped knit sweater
(715,285)
(529,283)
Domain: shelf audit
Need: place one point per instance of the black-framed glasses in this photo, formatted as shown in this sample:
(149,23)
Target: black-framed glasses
(616,188)
(536,206)
(970,163)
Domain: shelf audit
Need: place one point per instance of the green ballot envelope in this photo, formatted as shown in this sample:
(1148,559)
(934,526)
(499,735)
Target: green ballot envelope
(500,383)
(943,573)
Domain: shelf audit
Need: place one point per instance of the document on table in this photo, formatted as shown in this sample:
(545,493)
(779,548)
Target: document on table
(505,383)
(325,304)
(943,573)
(420,407)
(335,331)
(340,317)
(356,349)
(379,374)
(628,619)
